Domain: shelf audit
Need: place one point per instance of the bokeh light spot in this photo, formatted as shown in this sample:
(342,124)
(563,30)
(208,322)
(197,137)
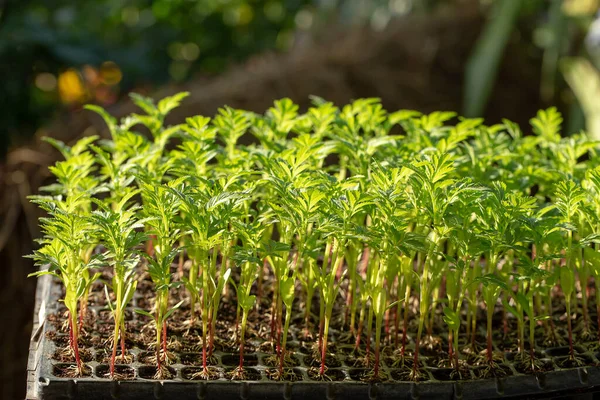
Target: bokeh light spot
(110,73)
(45,81)
(70,87)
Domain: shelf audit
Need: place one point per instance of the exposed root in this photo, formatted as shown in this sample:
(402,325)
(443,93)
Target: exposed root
(206,374)
(314,373)
(163,373)
(492,370)
(287,360)
(276,375)
(526,363)
(66,353)
(414,375)
(165,358)
(73,371)
(401,361)
(483,359)
(573,362)
(117,376)
(238,374)
(365,361)
(371,377)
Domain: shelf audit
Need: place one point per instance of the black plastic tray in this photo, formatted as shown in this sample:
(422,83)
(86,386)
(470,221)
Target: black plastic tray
(583,382)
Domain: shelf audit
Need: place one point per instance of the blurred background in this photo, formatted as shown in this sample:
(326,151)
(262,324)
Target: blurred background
(492,58)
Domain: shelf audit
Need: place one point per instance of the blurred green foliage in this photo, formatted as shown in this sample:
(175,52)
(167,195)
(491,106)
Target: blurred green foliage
(150,42)
(557,28)
(55,52)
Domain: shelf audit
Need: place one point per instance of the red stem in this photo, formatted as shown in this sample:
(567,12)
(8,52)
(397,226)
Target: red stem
(416,356)
(75,344)
(242,354)
(323,355)
(113,359)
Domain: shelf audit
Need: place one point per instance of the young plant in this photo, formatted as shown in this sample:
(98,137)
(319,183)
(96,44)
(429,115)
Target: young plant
(247,257)
(66,235)
(569,201)
(346,206)
(119,230)
(75,178)
(433,190)
(160,209)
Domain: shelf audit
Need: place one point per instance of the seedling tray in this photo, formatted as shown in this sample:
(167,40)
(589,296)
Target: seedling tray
(42,382)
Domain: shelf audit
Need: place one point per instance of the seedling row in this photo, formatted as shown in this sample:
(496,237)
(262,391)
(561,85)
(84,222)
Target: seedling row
(388,234)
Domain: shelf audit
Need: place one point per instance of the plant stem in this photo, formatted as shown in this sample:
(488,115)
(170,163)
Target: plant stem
(288,318)
(242,339)
(378,321)
(361,320)
(114,349)
(193,276)
(405,322)
(324,348)
(531,335)
(75,336)
(164,338)
(571,351)
(369,333)
(490,314)
(122,334)
(309,294)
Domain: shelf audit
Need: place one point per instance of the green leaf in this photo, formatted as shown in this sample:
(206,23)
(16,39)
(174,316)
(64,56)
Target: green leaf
(143,312)
(246,301)
(451,318)
(286,289)
(167,104)
(547,124)
(567,280)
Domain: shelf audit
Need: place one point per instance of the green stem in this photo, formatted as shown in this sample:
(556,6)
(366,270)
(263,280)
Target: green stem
(242,339)
(288,317)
